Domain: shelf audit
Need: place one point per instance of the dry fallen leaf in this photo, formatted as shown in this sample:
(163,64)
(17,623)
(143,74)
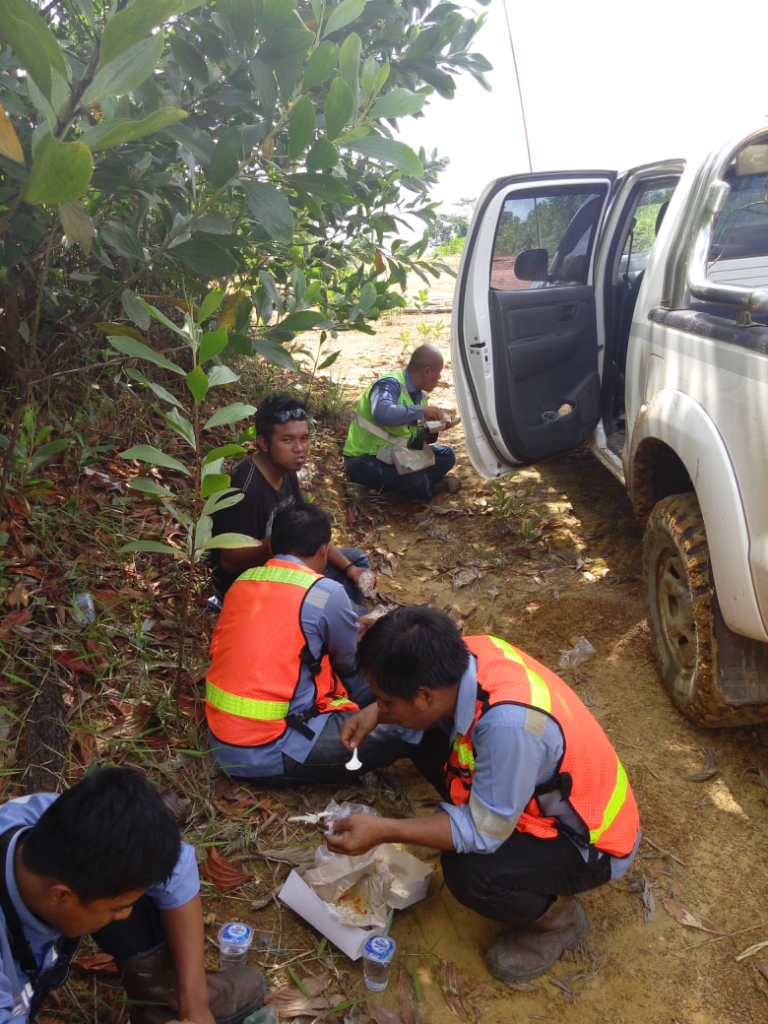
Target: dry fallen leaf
(291,1002)
(710,767)
(483,992)
(523,986)
(453,986)
(382,1014)
(751,950)
(103,962)
(406,999)
(224,876)
(683,916)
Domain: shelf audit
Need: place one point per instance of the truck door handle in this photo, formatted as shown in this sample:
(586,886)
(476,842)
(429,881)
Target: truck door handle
(567,311)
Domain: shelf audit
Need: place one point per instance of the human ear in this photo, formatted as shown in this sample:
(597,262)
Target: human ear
(59,893)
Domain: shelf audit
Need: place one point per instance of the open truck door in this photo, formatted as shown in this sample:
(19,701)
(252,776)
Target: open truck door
(524,342)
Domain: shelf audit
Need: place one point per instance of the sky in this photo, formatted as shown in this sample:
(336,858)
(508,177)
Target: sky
(605,85)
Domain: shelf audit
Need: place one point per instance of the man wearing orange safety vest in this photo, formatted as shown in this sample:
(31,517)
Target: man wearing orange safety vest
(538,806)
(282,680)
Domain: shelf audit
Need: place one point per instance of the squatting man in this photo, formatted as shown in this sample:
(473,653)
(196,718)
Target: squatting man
(537,804)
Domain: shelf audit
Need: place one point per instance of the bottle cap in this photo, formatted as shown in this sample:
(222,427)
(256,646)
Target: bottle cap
(380,948)
(236,934)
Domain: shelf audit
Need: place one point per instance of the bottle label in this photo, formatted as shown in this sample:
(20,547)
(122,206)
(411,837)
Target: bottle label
(236,934)
(380,948)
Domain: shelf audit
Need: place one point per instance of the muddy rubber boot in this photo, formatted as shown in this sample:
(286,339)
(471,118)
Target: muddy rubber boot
(150,988)
(526,952)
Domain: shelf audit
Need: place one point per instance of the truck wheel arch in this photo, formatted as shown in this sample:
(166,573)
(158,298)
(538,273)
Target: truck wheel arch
(676,448)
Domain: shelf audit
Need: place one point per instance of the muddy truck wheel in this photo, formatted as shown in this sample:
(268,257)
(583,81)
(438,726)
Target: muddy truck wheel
(713,675)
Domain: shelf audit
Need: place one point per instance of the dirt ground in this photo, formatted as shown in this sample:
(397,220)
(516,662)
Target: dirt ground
(575,571)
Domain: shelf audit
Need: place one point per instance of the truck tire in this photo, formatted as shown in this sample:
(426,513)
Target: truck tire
(677,576)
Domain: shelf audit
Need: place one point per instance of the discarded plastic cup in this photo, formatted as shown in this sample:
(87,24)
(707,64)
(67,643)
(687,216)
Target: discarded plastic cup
(86,611)
(367,583)
(354,762)
(234,942)
(377,962)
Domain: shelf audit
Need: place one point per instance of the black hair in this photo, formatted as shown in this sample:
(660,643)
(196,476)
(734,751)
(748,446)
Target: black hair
(108,835)
(299,530)
(410,648)
(269,406)
(424,355)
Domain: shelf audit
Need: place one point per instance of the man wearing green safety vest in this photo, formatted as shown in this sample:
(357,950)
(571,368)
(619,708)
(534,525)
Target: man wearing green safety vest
(387,447)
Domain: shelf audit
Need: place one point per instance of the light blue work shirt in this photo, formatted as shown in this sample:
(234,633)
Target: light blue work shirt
(384,397)
(510,762)
(181,887)
(330,626)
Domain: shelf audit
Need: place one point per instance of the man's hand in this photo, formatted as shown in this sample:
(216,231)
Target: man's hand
(356,728)
(364,624)
(354,572)
(433,412)
(357,834)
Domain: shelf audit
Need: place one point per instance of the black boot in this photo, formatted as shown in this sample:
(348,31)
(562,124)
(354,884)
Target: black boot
(150,987)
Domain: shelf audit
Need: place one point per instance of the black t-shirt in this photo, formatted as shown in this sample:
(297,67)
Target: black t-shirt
(253,515)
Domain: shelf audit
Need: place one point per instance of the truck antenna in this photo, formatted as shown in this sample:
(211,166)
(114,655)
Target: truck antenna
(519,88)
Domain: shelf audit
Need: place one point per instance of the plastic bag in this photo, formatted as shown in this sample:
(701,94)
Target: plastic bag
(577,655)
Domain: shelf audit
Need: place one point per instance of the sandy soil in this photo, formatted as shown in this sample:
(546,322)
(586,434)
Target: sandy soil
(580,575)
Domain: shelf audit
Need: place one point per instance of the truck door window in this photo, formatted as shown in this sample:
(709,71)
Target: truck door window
(741,231)
(649,213)
(544,237)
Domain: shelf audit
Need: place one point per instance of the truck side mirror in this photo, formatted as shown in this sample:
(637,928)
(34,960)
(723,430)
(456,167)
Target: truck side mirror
(532,265)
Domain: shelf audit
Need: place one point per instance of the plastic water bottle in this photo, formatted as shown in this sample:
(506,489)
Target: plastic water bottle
(84,607)
(234,942)
(377,962)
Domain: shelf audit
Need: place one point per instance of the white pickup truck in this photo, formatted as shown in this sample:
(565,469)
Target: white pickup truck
(630,311)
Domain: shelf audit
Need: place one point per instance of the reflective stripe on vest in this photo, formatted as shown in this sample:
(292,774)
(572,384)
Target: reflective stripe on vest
(600,793)
(258,653)
(365,437)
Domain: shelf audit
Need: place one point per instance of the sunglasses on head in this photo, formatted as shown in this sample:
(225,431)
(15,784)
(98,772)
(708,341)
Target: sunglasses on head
(284,415)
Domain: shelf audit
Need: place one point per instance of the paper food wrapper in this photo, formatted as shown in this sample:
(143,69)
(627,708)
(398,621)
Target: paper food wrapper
(362,890)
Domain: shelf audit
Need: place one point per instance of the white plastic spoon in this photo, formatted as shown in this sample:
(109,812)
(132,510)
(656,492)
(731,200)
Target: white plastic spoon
(354,763)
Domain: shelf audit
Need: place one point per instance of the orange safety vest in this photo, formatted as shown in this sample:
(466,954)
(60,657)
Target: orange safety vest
(257,654)
(590,775)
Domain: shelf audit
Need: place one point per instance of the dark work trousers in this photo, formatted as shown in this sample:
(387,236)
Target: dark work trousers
(358,558)
(137,935)
(378,476)
(517,883)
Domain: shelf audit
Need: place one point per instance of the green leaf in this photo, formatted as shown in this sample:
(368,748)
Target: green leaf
(205,258)
(152,546)
(349,65)
(368,296)
(241,344)
(263,78)
(224,452)
(212,222)
(147,486)
(346,12)
(219,375)
(321,64)
(181,425)
(32,42)
(163,319)
(226,157)
(77,224)
(211,303)
(329,360)
(213,483)
(114,133)
(158,389)
(398,103)
(213,342)
(339,106)
(231,540)
(126,72)
(129,27)
(286,43)
(230,414)
(137,349)
(61,172)
(301,127)
(222,500)
(270,209)
(323,156)
(197,382)
(135,309)
(189,59)
(368,76)
(47,450)
(146,453)
(86,9)
(121,331)
(122,239)
(305,320)
(388,151)
(274,353)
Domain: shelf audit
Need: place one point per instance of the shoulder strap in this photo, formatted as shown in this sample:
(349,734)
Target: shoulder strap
(20,948)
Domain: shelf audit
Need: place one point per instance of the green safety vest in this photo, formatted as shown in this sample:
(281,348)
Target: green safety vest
(366,437)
